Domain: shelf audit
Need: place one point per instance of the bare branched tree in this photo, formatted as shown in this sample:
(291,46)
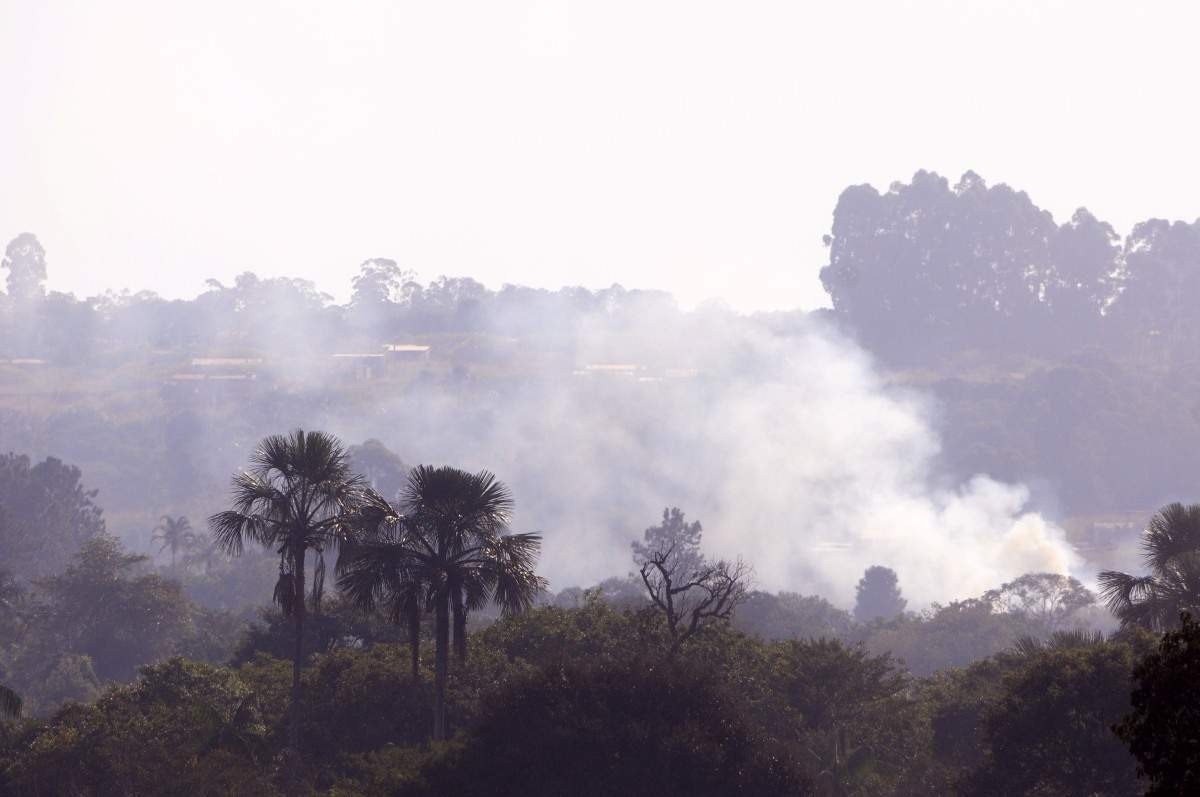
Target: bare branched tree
(690,590)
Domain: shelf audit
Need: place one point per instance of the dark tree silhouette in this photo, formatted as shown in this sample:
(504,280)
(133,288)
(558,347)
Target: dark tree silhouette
(1161,729)
(46,514)
(626,729)
(1159,288)
(294,499)
(1047,600)
(926,267)
(1050,731)
(25,260)
(690,590)
(878,595)
(379,282)
(102,608)
(385,472)
(791,616)
(446,551)
(1171,553)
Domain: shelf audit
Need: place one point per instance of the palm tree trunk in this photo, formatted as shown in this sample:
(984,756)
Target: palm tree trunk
(460,630)
(298,652)
(441,652)
(414,637)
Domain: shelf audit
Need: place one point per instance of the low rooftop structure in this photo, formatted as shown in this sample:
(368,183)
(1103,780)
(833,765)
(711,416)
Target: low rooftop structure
(362,365)
(406,352)
(614,369)
(226,362)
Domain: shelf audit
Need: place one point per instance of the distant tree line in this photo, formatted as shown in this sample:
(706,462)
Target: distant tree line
(387,304)
(927,269)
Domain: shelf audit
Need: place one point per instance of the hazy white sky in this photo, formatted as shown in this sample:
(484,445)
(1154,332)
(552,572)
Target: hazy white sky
(693,146)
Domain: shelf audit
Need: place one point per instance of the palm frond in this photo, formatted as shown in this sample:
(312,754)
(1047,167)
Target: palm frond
(369,516)
(1073,639)
(367,571)
(255,492)
(1076,638)
(279,452)
(471,502)
(231,529)
(1172,532)
(518,550)
(1028,646)
(515,591)
(1119,591)
(284,593)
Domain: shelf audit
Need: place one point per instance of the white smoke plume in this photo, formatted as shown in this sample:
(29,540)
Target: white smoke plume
(787,445)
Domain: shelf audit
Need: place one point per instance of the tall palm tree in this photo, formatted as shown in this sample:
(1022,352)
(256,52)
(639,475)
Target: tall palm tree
(1171,552)
(294,499)
(175,533)
(445,552)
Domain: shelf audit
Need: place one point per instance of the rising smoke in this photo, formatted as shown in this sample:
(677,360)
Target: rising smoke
(782,438)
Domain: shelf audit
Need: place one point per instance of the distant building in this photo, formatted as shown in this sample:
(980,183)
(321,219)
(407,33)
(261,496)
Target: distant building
(240,364)
(1091,534)
(406,352)
(609,369)
(215,379)
(219,369)
(360,366)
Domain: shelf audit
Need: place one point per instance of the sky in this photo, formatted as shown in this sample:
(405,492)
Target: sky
(692,146)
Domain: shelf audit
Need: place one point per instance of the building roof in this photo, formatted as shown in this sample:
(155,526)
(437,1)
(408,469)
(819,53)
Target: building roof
(225,362)
(616,368)
(405,347)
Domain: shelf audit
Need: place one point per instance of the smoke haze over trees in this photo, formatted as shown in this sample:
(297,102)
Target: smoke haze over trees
(969,429)
(1043,354)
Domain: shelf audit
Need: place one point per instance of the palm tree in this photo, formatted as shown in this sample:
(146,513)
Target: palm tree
(446,552)
(175,533)
(294,499)
(1171,552)
(10,702)
(205,552)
